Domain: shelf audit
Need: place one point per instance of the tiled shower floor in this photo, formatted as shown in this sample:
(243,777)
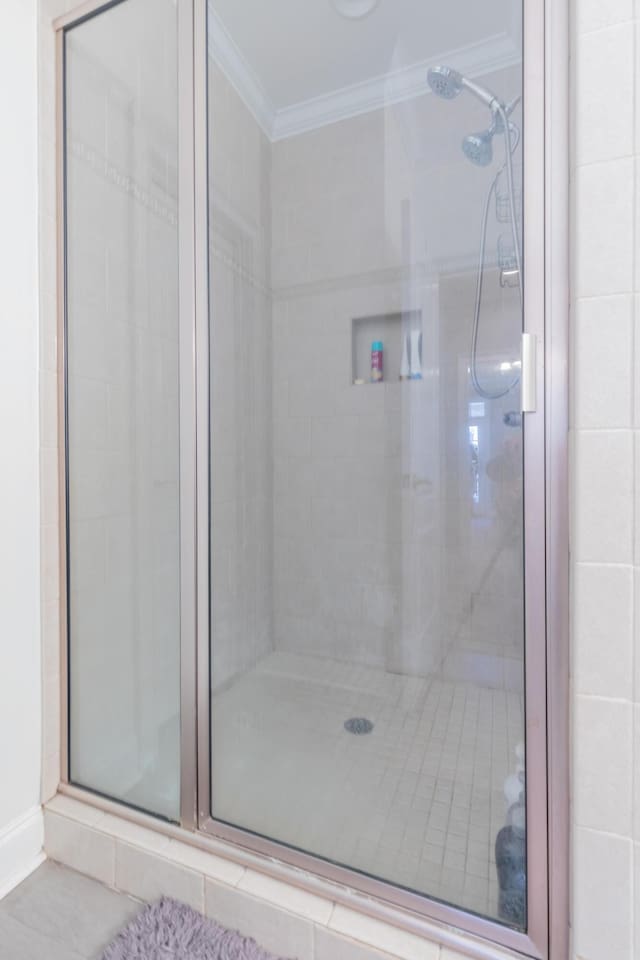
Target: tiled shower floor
(418,801)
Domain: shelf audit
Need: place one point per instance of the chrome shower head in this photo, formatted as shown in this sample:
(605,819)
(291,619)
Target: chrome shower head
(448,84)
(478,148)
(445,82)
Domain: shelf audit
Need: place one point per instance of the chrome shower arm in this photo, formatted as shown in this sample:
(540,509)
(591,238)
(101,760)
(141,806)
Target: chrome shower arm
(481,93)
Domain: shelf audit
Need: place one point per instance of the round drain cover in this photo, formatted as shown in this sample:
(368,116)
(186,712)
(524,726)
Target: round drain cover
(358,725)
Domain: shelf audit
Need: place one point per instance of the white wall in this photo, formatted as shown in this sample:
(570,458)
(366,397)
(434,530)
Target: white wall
(20,738)
(606,486)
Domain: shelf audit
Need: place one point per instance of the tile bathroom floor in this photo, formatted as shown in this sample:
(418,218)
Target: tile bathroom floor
(418,801)
(56,914)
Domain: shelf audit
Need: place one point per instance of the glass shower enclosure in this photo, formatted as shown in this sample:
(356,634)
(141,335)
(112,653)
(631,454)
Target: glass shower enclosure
(304,565)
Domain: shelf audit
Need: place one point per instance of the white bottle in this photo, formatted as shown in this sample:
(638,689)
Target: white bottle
(415,366)
(405,369)
(513,788)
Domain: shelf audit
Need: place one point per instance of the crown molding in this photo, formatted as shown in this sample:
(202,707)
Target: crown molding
(474,60)
(239,73)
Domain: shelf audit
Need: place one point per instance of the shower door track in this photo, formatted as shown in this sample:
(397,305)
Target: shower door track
(546,228)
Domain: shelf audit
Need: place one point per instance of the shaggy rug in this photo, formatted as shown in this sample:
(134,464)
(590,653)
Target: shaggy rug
(168,930)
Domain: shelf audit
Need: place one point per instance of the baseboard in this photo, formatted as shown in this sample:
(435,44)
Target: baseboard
(21,849)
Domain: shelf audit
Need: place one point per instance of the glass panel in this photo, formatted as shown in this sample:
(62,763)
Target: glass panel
(367,632)
(123,445)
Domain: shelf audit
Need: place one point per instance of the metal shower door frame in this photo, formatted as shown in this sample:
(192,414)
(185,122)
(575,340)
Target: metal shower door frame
(546,153)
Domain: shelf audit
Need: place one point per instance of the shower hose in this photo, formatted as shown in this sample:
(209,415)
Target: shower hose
(508,165)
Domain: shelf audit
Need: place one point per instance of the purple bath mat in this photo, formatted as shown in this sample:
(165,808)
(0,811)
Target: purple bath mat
(168,930)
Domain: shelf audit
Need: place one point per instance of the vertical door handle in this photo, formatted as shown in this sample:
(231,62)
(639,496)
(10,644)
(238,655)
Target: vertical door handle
(528,392)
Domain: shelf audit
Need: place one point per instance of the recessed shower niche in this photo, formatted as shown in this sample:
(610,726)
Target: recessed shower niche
(392,330)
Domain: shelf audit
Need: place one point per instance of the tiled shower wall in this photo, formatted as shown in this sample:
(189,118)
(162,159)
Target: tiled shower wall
(355,467)
(381,554)
(606,485)
(241,429)
(481,547)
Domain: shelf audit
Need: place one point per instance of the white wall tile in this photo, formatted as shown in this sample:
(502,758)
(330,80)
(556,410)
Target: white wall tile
(133,834)
(281,932)
(80,847)
(593,14)
(603,891)
(636,914)
(148,877)
(636,277)
(334,436)
(226,871)
(399,943)
(603,244)
(636,635)
(292,437)
(603,630)
(636,355)
(603,356)
(602,765)
(603,501)
(292,899)
(636,784)
(605,104)
(75,810)
(331,946)
(636,545)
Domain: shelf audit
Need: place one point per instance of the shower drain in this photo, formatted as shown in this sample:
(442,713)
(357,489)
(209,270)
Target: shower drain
(358,725)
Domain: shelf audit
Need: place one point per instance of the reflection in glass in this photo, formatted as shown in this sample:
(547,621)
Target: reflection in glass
(366,534)
(121,147)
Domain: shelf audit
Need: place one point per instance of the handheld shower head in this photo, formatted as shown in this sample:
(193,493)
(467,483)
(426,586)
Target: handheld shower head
(448,84)
(478,148)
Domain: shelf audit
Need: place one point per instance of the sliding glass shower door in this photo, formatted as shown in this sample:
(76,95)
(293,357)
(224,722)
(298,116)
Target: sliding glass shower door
(367,480)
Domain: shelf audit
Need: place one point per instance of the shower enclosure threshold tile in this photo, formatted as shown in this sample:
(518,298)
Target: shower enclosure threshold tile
(417,801)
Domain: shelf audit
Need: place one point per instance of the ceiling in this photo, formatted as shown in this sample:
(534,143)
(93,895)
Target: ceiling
(299,50)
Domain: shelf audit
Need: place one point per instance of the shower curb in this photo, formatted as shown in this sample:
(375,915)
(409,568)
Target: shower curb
(148,858)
